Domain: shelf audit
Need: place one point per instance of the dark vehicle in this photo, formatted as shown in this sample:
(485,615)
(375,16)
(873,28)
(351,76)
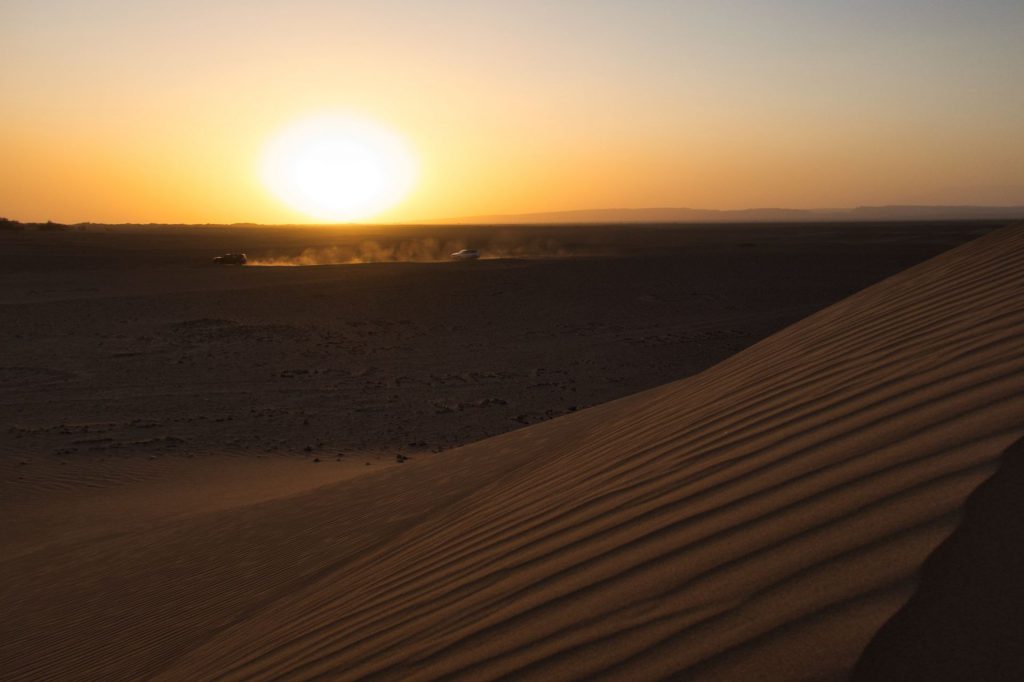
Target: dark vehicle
(466,254)
(231,259)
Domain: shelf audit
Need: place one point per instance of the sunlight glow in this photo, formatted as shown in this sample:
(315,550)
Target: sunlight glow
(338,168)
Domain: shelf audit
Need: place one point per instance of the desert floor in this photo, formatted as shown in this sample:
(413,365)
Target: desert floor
(259,471)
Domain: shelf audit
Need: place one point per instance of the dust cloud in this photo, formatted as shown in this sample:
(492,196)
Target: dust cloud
(425,250)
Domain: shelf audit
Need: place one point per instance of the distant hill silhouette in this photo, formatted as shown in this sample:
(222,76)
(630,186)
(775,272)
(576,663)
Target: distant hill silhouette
(752,215)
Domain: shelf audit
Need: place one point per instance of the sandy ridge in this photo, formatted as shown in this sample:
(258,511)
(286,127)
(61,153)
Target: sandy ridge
(963,621)
(706,526)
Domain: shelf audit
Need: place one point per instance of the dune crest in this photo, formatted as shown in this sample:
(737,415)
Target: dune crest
(762,519)
(963,622)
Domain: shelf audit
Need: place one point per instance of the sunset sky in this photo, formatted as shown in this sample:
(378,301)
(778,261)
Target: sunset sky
(117,111)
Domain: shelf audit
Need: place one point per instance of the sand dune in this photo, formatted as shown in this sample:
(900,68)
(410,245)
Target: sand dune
(964,621)
(760,520)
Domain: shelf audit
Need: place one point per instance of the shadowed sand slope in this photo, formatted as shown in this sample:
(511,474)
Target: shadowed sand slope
(758,521)
(964,622)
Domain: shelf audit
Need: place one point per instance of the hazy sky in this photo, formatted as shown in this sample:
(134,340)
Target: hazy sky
(160,111)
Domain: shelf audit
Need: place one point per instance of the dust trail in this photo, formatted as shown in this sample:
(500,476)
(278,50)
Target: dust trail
(413,250)
(426,250)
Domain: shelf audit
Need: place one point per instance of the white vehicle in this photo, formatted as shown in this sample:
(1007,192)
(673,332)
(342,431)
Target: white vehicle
(466,254)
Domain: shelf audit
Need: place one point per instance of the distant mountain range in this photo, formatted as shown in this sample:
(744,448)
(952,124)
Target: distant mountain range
(750,215)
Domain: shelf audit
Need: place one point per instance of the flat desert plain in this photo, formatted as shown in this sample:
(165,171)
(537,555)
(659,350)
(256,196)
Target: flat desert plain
(623,452)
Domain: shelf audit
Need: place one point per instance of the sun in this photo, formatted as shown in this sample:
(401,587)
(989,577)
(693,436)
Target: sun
(338,168)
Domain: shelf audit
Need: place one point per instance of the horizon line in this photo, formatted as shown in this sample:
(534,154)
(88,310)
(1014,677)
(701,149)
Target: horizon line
(908,212)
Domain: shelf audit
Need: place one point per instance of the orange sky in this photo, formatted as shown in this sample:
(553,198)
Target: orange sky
(160,111)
